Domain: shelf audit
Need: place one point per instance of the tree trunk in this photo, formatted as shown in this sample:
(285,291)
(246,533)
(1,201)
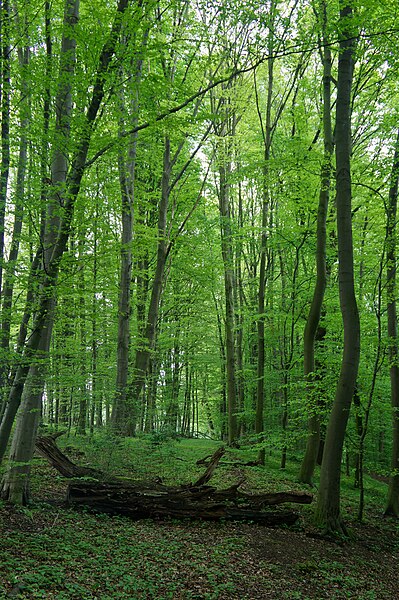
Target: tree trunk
(328,505)
(143,353)
(9,279)
(127,171)
(43,317)
(392,507)
(15,482)
(141,499)
(5,122)
(267,140)
(313,440)
(229,287)
(83,392)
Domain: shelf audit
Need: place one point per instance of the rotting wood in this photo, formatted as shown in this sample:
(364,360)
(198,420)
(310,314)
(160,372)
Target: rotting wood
(143,499)
(159,501)
(213,463)
(46,447)
(228,463)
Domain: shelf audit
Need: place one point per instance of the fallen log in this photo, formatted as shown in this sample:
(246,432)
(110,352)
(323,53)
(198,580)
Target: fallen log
(207,459)
(138,499)
(46,447)
(213,463)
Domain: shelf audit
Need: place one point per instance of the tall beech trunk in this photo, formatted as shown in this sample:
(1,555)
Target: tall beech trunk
(126,180)
(143,353)
(10,267)
(327,513)
(229,288)
(260,389)
(392,507)
(14,484)
(5,121)
(82,312)
(240,302)
(44,315)
(313,441)
(95,407)
(267,128)
(24,58)
(223,390)
(127,170)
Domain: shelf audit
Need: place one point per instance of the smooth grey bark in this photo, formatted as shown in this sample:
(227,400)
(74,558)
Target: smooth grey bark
(392,505)
(227,244)
(327,512)
(14,484)
(313,440)
(18,197)
(83,391)
(143,353)
(239,302)
(222,354)
(44,316)
(5,18)
(260,374)
(127,169)
(95,407)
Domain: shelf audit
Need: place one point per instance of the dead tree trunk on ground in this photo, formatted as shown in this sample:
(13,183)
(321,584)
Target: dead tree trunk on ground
(143,499)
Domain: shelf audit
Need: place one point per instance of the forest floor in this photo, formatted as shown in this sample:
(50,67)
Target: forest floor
(50,551)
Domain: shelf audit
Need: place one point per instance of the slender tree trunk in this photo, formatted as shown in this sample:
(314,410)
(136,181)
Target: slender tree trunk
(126,177)
(267,128)
(44,316)
(83,393)
(240,315)
(14,485)
(10,268)
(229,288)
(223,390)
(5,122)
(143,353)
(94,407)
(327,512)
(127,168)
(313,441)
(392,506)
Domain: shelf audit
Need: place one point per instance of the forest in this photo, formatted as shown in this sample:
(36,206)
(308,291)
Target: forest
(198,238)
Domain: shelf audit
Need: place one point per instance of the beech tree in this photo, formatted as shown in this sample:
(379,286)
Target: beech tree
(313,320)
(14,484)
(328,502)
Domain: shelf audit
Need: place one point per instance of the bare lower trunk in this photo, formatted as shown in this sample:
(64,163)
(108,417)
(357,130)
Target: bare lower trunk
(15,483)
(43,317)
(313,440)
(328,506)
(127,173)
(229,287)
(5,122)
(143,354)
(392,507)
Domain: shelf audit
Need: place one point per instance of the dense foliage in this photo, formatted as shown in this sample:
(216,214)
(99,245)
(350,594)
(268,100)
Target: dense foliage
(162,165)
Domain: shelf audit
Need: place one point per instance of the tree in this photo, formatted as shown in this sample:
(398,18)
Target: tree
(392,507)
(14,485)
(313,320)
(327,512)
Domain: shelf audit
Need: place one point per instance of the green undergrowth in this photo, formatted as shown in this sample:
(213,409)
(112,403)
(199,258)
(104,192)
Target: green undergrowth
(49,551)
(68,555)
